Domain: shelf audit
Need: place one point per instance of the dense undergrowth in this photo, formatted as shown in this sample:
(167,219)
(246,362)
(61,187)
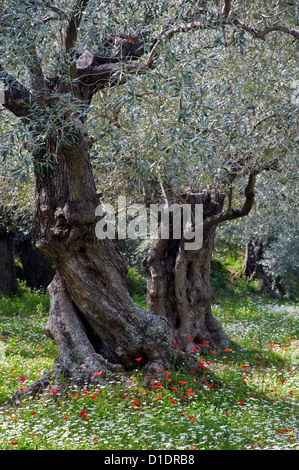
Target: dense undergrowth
(237,399)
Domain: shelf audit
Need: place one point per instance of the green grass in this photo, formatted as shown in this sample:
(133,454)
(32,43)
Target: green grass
(227,280)
(236,400)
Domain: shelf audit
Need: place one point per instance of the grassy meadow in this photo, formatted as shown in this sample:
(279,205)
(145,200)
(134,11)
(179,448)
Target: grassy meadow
(237,400)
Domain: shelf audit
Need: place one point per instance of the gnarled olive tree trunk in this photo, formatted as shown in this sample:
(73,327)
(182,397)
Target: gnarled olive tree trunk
(178,282)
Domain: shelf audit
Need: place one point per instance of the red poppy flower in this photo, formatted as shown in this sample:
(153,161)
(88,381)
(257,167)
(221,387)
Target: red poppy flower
(54,390)
(206,342)
(138,359)
(33,412)
(190,339)
(167,373)
(227,349)
(198,344)
(13,443)
(98,373)
(175,344)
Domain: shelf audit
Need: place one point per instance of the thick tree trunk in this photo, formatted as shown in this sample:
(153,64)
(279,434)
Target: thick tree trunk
(178,283)
(8,279)
(95,324)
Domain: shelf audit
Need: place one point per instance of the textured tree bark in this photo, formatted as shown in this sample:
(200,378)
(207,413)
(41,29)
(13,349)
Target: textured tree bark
(178,283)
(8,279)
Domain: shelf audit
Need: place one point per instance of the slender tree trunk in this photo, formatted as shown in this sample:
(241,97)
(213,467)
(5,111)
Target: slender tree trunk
(178,283)
(8,279)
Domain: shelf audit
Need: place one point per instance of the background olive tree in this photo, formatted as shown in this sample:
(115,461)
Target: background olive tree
(182,101)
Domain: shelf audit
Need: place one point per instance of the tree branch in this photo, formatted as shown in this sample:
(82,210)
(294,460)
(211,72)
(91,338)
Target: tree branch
(261,122)
(182,28)
(231,214)
(262,33)
(94,71)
